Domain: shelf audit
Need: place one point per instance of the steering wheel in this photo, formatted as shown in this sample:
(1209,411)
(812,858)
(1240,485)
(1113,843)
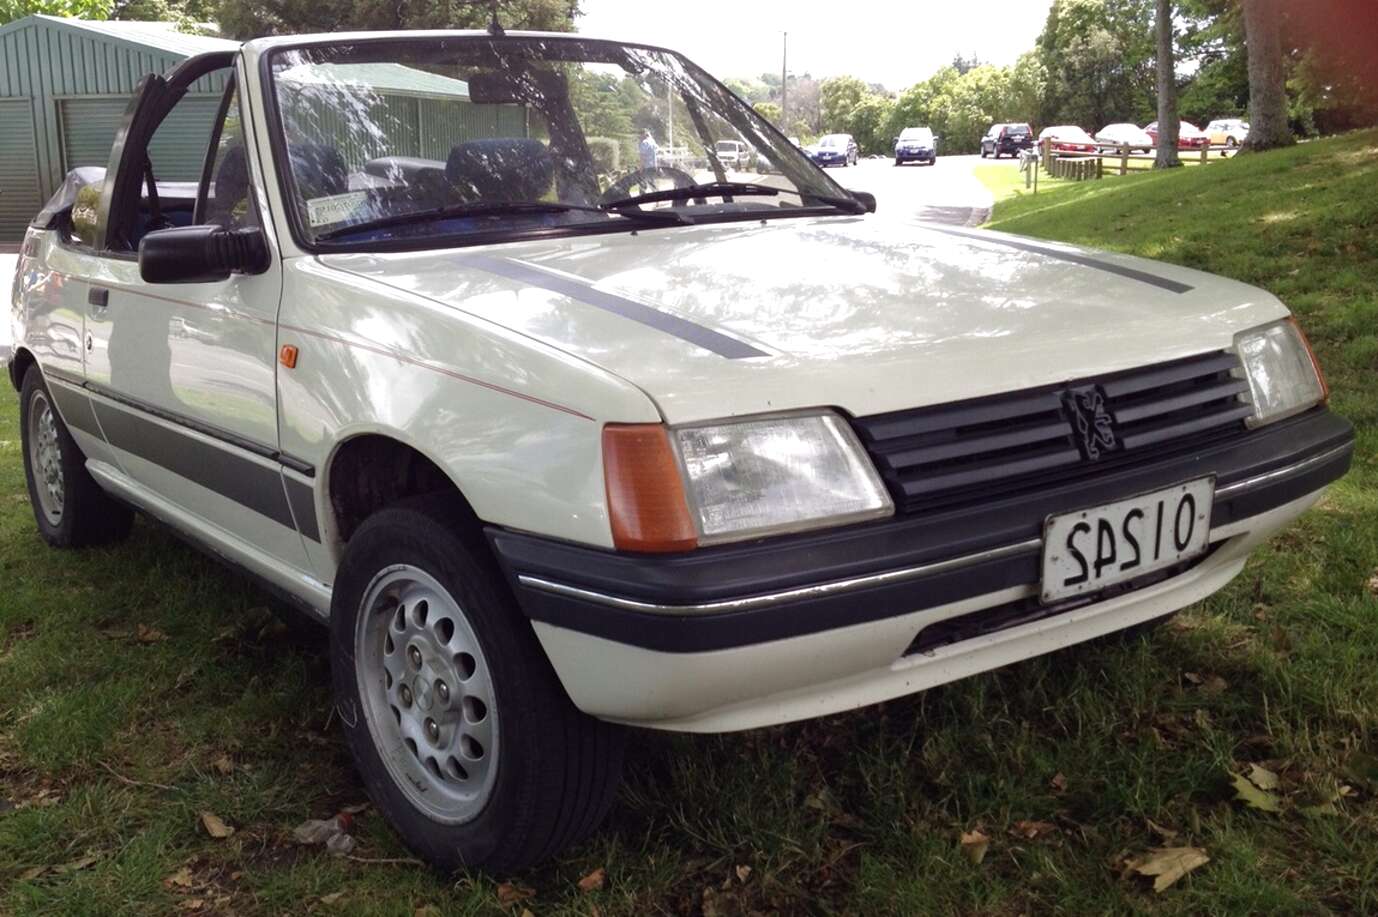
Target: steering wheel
(646,180)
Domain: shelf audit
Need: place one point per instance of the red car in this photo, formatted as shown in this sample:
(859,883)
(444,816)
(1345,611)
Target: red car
(1189,136)
(1068,138)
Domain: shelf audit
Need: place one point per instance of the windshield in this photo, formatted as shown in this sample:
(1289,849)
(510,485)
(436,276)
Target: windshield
(478,138)
(832,141)
(916,134)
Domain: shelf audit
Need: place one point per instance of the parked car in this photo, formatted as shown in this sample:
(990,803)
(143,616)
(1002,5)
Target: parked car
(916,144)
(1068,138)
(1230,132)
(734,154)
(1115,136)
(1189,136)
(1006,140)
(545,475)
(835,150)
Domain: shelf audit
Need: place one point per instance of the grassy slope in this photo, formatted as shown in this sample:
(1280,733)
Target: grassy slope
(857,813)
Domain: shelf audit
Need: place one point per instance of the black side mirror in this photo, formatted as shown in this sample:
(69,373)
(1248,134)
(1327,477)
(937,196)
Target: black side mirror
(201,254)
(866,199)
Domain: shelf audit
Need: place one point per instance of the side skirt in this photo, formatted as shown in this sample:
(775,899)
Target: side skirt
(310,594)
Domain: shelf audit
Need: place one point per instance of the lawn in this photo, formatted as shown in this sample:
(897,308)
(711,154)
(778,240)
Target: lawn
(141,686)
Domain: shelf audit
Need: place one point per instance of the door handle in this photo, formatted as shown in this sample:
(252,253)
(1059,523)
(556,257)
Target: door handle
(98,298)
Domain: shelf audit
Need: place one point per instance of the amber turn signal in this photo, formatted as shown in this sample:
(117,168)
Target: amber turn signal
(646,502)
(287,356)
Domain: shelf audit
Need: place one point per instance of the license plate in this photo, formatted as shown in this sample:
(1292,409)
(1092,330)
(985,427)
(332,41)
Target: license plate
(1089,550)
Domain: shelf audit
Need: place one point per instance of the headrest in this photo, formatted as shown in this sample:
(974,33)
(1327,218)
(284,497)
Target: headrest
(318,170)
(501,169)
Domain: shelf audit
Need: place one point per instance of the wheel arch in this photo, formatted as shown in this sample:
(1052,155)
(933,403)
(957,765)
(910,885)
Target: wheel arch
(20,362)
(370,469)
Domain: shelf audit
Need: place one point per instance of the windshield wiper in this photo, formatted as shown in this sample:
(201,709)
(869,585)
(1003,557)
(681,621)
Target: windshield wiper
(494,208)
(709,189)
(849,204)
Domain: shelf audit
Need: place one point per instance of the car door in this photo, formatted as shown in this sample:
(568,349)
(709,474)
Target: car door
(184,375)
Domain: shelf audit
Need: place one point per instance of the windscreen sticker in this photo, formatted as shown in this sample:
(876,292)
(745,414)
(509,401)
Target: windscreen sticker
(334,208)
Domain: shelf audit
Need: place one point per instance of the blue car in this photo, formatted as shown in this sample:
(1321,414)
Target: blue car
(916,144)
(835,150)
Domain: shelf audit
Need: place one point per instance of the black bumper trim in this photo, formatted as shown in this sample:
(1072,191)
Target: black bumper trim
(1265,470)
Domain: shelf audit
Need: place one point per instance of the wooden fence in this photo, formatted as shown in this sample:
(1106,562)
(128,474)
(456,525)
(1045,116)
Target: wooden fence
(1116,161)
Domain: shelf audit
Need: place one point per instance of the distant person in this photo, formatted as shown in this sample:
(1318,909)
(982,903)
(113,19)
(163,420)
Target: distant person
(649,150)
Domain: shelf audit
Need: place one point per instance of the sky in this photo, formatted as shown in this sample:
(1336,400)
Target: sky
(880,41)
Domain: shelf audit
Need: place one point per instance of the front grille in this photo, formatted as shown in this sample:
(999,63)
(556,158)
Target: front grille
(951,454)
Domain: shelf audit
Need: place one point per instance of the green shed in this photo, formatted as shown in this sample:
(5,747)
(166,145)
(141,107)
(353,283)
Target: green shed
(64,87)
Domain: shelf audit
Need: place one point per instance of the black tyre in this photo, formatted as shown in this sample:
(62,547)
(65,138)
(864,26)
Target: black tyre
(463,736)
(69,506)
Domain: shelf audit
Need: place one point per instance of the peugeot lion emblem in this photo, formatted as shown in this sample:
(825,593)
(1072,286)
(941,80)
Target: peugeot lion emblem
(1092,422)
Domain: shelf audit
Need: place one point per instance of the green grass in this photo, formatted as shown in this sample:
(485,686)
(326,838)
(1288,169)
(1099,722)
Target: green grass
(1006,181)
(852,814)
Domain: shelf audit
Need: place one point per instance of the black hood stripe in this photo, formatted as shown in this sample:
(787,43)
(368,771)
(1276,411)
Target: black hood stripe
(1172,286)
(587,293)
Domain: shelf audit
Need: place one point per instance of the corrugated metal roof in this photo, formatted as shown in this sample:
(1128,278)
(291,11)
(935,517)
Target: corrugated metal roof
(380,77)
(159,36)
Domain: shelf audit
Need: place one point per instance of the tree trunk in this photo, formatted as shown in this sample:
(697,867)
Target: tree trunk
(1168,124)
(1268,127)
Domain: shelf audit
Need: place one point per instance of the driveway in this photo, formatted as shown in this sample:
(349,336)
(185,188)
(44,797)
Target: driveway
(946,192)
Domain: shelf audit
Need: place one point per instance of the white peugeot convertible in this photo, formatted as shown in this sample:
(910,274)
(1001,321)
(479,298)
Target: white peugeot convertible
(558,444)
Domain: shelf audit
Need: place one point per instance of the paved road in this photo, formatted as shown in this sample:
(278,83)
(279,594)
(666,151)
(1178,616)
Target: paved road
(945,192)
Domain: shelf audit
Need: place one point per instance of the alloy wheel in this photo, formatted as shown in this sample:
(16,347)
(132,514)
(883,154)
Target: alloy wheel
(429,700)
(45,458)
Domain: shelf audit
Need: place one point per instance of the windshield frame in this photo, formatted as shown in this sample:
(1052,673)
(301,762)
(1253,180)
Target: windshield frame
(307,243)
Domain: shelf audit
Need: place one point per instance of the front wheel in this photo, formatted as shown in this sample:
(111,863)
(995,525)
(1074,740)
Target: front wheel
(463,736)
(69,506)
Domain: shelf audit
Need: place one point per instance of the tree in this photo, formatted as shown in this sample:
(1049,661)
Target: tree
(80,9)
(1098,55)
(252,18)
(1168,124)
(1268,126)
(768,110)
(837,97)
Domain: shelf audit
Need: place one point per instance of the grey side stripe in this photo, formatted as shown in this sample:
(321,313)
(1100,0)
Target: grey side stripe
(587,293)
(1109,267)
(216,467)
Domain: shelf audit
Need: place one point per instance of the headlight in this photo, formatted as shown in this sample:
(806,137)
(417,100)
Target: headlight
(1284,377)
(769,475)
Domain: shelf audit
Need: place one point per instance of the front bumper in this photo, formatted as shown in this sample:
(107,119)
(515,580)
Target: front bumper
(916,155)
(787,628)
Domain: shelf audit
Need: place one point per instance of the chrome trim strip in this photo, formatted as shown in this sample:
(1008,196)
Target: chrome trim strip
(1248,484)
(789,595)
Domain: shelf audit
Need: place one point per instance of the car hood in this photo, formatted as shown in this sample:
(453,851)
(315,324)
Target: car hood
(852,312)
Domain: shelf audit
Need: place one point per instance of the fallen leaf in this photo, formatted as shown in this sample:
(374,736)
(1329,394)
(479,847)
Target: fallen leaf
(80,863)
(1059,783)
(1252,796)
(1192,677)
(1032,829)
(33,872)
(215,826)
(594,880)
(526,912)
(332,898)
(1215,685)
(426,910)
(223,765)
(1165,865)
(146,634)
(511,894)
(192,904)
(974,846)
(1166,834)
(743,873)
(1262,778)
(1373,583)
(179,879)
